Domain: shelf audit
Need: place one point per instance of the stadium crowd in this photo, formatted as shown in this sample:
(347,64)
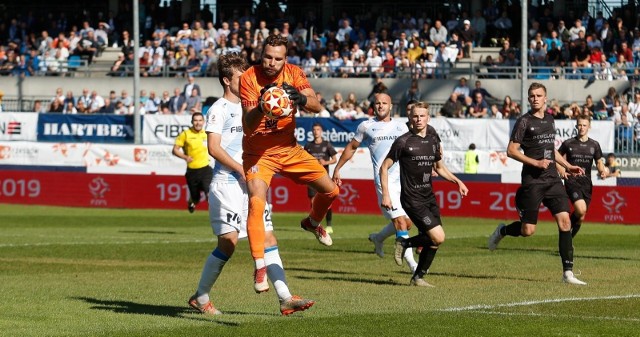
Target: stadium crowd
(390,45)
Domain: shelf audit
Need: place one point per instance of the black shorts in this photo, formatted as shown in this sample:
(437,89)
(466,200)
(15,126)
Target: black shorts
(425,216)
(198,180)
(529,197)
(579,191)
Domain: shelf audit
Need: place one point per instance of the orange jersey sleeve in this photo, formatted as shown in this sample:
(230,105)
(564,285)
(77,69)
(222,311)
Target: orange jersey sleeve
(271,136)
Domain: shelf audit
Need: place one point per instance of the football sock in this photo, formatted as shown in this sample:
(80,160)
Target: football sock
(212,269)
(275,272)
(513,229)
(320,205)
(575,224)
(386,231)
(255,227)
(565,246)
(420,240)
(425,260)
(408,253)
(402,234)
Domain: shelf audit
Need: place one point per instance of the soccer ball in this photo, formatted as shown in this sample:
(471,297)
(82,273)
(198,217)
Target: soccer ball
(276,103)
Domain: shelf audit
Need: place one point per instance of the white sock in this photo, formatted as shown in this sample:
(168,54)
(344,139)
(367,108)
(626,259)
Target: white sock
(386,232)
(275,272)
(408,256)
(210,272)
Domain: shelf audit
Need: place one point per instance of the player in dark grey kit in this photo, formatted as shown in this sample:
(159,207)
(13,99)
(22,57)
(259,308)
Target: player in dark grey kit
(534,133)
(324,152)
(581,151)
(418,153)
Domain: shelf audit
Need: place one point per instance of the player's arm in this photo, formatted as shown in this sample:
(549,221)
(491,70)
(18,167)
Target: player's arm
(570,168)
(332,160)
(513,151)
(305,98)
(346,155)
(384,182)
(601,169)
(220,155)
(444,172)
(177,151)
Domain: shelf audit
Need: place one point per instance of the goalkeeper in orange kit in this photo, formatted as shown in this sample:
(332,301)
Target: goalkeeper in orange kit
(270,147)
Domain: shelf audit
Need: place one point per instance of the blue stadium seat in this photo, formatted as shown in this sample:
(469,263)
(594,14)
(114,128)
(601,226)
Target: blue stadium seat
(74,62)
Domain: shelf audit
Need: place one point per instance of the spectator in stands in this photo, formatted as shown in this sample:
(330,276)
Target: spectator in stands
(188,88)
(118,67)
(82,107)
(452,108)
(574,32)
(503,26)
(374,63)
(165,103)
(56,106)
(510,109)
(479,108)
(308,64)
(194,102)
(69,108)
(479,25)
(126,100)
(467,37)
(152,104)
(87,47)
(438,33)
(479,89)
(193,65)
(463,92)
(388,66)
(96,102)
(538,55)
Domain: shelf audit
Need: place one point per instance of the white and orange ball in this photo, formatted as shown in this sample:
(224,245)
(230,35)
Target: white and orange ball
(276,103)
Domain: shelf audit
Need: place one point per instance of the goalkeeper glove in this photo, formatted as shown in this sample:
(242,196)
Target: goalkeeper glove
(294,95)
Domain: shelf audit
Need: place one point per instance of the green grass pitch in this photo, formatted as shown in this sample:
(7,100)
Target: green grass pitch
(99,272)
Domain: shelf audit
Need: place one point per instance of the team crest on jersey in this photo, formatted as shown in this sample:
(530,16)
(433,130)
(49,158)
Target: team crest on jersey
(427,220)
(254,169)
(592,151)
(271,123)
(425,177)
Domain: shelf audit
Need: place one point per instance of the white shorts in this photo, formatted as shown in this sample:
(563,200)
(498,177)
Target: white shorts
(229,207)
(394,193)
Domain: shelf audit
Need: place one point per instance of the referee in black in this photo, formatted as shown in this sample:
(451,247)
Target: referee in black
(534,133)
(418,153)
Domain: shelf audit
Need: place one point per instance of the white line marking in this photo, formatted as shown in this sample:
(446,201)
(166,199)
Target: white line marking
(38,244)
(604,318)
(526,303)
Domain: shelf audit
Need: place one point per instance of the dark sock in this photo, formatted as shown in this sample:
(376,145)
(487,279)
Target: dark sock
(329,217)
(575,224)
(427,255)
(420,240)
(565,245)
(513,229)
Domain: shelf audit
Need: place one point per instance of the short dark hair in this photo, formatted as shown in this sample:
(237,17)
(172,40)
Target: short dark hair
(196,114)
(228,63)
(316,124)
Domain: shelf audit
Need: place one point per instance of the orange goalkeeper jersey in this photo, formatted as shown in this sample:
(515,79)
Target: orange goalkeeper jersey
(271,136)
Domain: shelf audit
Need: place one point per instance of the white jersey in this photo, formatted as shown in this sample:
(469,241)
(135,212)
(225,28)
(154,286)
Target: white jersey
(225,118)
(378,137)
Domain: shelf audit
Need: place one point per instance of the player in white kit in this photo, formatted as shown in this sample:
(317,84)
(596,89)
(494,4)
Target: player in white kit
(378,134)
(228,200)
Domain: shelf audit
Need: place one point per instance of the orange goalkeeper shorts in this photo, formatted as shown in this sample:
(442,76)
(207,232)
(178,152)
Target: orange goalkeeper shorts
(296,164)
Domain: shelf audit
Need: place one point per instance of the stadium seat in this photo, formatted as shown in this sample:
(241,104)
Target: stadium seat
(74,62)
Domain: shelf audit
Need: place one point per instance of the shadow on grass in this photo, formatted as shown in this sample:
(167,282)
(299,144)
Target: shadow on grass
(352,279)
(127,307)
(554,252)
(149,232)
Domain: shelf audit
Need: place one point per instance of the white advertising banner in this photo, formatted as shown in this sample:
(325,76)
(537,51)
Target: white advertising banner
(456,134)
(18,126)
(95,158)
(163,129)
